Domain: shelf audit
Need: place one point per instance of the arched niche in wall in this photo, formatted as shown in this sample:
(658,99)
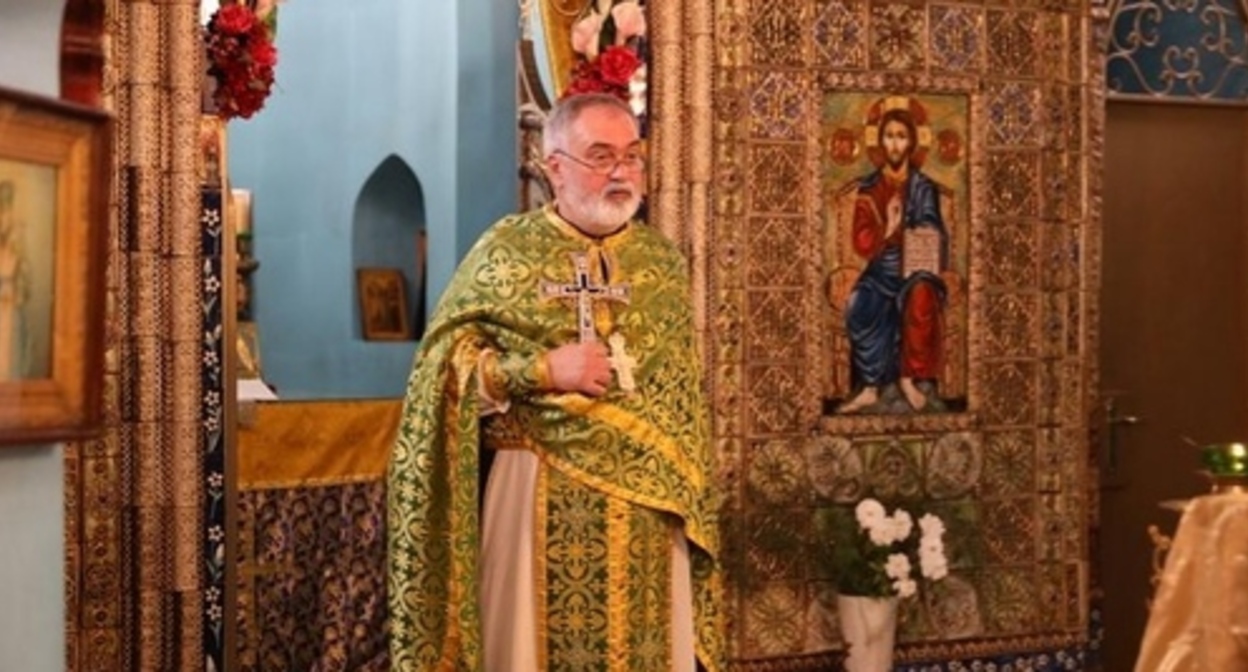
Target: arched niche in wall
(388,231)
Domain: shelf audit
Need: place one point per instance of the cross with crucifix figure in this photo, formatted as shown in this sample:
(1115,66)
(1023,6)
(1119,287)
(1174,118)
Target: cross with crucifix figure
(585,293)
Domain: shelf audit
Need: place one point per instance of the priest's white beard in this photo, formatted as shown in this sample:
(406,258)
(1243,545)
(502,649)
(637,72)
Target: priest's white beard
(600,212)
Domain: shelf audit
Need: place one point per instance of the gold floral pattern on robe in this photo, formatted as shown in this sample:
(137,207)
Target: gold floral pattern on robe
(622,468)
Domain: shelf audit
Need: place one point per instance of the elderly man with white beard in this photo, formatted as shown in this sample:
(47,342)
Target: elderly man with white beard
(562,361)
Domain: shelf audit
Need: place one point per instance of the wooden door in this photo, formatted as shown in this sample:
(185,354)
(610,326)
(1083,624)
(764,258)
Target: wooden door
(1174,331)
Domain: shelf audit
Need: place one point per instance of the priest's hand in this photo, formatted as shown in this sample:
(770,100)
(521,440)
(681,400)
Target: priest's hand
(580,367)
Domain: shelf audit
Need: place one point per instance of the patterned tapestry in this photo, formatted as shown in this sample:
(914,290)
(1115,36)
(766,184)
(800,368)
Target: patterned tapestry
(962,390)
(312,569)
(310,536)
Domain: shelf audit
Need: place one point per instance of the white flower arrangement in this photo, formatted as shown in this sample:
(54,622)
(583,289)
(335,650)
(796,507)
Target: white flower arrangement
(878,558)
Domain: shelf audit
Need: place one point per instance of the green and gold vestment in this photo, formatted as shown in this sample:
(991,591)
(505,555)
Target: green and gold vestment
(617,472)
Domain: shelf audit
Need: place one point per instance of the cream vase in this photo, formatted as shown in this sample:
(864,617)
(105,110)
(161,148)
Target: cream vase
(869,627)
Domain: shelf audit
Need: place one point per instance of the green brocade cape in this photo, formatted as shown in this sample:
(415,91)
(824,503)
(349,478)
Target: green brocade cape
(611,466)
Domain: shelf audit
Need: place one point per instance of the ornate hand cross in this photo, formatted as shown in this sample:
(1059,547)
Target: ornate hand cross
(585,294)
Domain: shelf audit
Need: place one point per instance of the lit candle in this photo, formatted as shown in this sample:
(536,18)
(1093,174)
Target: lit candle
(242,211)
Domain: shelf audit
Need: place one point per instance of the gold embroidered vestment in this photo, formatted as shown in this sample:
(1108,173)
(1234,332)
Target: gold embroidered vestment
(617,472)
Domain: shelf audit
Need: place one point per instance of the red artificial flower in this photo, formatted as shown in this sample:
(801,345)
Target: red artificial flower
(617,65)
(586,79)
(585,85)
(241,57)
(234,19)
(609,45)
(264,53)
(609,73)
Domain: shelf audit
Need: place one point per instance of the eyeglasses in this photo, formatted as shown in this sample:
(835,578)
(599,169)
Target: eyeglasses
(605,163)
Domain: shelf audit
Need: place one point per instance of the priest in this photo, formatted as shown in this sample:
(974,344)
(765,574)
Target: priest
(563,354)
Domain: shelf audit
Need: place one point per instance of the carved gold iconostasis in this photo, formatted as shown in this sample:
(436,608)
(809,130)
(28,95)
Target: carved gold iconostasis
(135,496)
(748,101)
(767,121)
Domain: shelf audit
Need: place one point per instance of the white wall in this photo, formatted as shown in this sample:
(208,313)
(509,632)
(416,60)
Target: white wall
(32,551)
(32,557)
(30,35)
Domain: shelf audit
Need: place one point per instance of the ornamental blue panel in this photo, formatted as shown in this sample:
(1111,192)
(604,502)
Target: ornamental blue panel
(1178,49)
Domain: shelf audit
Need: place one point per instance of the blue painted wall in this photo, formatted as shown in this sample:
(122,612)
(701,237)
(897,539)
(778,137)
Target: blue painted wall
(486,153)
(428,81)
(32,522)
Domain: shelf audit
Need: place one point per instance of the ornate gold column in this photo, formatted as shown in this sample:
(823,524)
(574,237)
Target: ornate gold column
(134,496)
(667,144)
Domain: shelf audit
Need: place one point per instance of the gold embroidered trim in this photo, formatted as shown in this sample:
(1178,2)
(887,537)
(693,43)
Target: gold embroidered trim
(541,372)
(463,363)
(522,374)
(618,544)
(540,590)
(451,644)
(491,380)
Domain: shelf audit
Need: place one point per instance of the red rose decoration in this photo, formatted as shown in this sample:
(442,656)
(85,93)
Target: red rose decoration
(586,85)
(617,65)
(241,57)
(234,19)
(610,43)
(609,73)
(264,53)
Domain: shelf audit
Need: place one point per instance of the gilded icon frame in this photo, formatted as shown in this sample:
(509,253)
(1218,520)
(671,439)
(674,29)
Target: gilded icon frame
(383,304)
(59,154)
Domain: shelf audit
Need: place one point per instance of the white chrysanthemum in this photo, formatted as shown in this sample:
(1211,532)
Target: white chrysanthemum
(905,587)
(881,533)
(637,90)
(931,526)
(936,571)
(902,524)
(933,565)
(898,566)
(869,513)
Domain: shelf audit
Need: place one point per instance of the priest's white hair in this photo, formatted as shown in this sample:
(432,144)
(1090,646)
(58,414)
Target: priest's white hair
(567,111)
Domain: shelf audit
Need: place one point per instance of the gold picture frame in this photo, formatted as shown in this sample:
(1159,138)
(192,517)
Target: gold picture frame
(383,304)
(54,185)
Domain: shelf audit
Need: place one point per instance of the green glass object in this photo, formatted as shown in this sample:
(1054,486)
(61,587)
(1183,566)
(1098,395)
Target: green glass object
(1225,459)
